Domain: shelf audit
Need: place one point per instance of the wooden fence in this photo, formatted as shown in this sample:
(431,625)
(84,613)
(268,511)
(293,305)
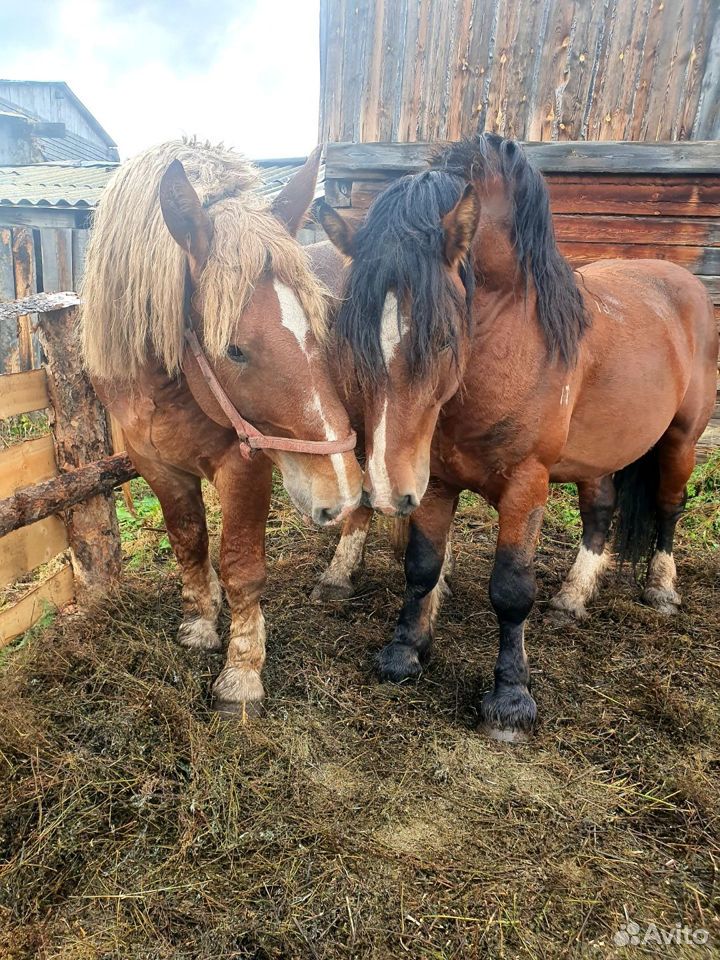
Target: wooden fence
(55,489)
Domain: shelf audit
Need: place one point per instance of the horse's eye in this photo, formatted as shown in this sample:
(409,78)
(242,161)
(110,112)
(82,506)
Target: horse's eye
(235,353)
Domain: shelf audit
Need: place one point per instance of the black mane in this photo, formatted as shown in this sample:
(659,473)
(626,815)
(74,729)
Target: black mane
(560,308)
(400,247)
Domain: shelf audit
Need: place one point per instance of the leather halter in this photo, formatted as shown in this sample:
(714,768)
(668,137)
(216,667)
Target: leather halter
(250,438)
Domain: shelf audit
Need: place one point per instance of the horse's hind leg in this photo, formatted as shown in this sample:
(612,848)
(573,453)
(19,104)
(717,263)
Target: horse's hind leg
(182,505)
(597,504)
(335,582)
(676,459)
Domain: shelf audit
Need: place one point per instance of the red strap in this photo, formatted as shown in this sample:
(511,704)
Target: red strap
(249,436)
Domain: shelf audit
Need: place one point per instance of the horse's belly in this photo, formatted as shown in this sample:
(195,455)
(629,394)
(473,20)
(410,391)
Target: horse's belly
(611,428)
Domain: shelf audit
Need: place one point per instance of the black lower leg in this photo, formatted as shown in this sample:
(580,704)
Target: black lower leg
(508,711)
(424,557)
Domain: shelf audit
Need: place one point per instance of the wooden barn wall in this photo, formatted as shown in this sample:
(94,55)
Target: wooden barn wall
(43,259)
(407,70)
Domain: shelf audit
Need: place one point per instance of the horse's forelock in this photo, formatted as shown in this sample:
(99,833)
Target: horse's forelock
(134,285)
(560,306)
(400,249)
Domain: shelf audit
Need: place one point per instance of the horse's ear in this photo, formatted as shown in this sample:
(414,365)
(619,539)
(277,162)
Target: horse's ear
(460,225)
(339,231)
(293,202)
(185,218)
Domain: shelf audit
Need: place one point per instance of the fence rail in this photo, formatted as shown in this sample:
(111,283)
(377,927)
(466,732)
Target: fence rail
(42,480)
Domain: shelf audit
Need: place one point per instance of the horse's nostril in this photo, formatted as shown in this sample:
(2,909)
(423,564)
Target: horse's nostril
(407,504)
(325,515)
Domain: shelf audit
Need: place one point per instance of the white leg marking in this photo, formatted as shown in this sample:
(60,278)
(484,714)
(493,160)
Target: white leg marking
(581,582)
(239,681)
(659,589)
(336,581)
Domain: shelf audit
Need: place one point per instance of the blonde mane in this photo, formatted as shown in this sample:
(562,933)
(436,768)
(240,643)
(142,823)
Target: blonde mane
(133,289)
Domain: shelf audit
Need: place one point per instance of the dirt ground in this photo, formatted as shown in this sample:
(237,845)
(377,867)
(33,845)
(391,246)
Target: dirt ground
(357,819)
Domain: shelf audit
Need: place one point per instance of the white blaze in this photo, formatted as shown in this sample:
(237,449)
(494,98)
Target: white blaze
(292,315)
(293,318)
(390,335)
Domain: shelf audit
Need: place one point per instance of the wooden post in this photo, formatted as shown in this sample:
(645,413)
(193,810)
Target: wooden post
(81,436)
(25,284)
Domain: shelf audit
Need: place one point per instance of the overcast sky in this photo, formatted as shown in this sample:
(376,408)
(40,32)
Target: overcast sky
(244,72)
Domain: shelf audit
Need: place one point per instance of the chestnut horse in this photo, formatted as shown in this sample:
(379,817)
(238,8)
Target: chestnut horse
(488,364)
(185,251)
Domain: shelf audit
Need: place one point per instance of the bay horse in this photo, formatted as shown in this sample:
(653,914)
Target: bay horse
(487,363)
(202,328)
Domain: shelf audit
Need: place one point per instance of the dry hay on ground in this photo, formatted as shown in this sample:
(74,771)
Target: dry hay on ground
(360,820)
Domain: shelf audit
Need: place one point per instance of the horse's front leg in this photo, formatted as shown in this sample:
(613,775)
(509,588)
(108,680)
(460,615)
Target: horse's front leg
(427,560)
(244,490)
(335,583)
(508,712)
(183,510)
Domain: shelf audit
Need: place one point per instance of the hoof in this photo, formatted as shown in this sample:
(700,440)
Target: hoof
(238,693)
(397,662)
(332,590)
(199,634)
(664,601)
(572,608)
(508,715)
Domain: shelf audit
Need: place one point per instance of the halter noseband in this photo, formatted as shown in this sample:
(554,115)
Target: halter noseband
(250,438)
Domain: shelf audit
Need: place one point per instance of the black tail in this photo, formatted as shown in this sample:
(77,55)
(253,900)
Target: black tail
(636,527)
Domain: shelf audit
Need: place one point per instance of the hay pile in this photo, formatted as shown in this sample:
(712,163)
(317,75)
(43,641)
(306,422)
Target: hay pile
(360,820)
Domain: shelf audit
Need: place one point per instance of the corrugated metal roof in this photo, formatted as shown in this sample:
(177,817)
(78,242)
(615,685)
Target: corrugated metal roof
(276,173)
(68,184)
(54,184)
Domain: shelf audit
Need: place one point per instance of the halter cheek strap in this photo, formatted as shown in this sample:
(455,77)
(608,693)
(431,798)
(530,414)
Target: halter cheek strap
(249,437)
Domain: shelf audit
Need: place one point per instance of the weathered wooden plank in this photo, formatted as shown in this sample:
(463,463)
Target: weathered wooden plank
(38,217)
(63,492)
(351,160)
(79,247)
(25,549)
(39,303)
(56,250)
(712,285)
(700,260)
(690,196)
(56,591)
(8,327)
(26,463)
(23,393)
(25,285)
(537,69)
(7,276)
(675,231)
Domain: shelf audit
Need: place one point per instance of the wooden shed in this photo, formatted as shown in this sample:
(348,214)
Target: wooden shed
(617,102)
